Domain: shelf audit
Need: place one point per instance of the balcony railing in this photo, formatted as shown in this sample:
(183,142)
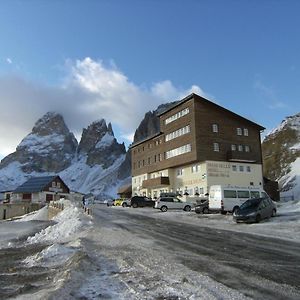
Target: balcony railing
(156,182)
(241,156)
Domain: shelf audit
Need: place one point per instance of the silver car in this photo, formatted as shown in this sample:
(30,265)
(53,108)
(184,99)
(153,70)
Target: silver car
(255,210)
(165,203)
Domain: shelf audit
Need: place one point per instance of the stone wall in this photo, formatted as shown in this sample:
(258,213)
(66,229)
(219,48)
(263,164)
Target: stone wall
(11,210)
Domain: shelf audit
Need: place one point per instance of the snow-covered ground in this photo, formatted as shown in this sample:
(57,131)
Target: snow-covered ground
(92,266)
(286,224)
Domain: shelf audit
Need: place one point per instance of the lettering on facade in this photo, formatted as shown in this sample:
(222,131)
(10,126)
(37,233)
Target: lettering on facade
(55,189)
(218,169)
(192,181)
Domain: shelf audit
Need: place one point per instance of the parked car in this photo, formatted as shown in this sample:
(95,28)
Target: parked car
(118,202)
(228,199)
(255,210)
(109,202)
(126,203)
(141,201)
(165,203)
(202,207)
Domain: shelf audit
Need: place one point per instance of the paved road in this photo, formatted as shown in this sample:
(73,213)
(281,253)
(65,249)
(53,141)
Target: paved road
(258,267)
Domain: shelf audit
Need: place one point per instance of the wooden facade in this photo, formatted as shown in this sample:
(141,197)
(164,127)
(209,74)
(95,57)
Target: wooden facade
(199,144)
(150,155)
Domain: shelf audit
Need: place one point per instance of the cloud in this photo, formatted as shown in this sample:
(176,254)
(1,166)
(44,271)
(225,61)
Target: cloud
(270,96)
(8,60)
(90,91)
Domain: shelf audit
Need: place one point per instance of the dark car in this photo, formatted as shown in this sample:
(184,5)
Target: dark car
(255,210)
(202,208)
(141,201)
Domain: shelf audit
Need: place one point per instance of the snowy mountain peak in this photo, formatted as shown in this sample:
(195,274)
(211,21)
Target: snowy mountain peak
(49,148)
(292,122)
(281,154)
(50,123)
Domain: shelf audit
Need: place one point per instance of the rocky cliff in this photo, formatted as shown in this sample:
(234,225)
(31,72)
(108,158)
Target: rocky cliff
(281,154)
(99,145)
(50,147)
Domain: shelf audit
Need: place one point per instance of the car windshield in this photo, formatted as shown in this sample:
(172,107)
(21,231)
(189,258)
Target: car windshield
(251,203)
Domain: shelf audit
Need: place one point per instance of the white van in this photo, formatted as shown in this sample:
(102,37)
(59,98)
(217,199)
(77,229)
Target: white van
(227,199)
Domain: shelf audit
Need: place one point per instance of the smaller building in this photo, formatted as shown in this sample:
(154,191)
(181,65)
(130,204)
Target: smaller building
(41,190)
(125,191)
(272,188)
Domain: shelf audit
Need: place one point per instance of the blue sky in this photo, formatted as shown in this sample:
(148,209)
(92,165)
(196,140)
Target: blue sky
(77,57)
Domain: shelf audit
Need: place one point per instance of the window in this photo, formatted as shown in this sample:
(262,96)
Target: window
(229,194)
(195,168)
(239,131)
(215,128)
(248,168)
(233,147)
(159,157)
(26,196)
(246,133)
(254,194)
(241,168)
(179,172)
(155,158)
(234,168)
(240,148)
(216,147)
(178,151)
(149,160)
(243,194)
(58,185)
(177,115)
(177,133)
(247,148)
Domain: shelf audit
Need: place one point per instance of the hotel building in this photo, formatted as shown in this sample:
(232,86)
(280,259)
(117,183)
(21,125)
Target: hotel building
(199,144)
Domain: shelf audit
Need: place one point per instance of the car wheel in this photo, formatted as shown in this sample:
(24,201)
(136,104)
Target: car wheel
(197,211)
(273,213)
(258,219)
(134,205)
(163,208)
(124,204)
(205,210)
(223,212)
(187,208)
(235,209)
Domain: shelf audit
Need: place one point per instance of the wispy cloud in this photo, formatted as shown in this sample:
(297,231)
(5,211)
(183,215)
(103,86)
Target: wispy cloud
(9,61)
(270,96)
(91,91)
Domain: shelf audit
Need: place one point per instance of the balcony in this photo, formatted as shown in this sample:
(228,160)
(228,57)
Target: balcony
(156,182)
(241,156)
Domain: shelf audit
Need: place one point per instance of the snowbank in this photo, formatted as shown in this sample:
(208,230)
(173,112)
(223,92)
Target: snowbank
(70,222)
(39,215)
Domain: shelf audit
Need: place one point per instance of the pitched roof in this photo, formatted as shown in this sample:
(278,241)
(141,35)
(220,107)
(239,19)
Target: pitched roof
(35,184)
(197,97)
